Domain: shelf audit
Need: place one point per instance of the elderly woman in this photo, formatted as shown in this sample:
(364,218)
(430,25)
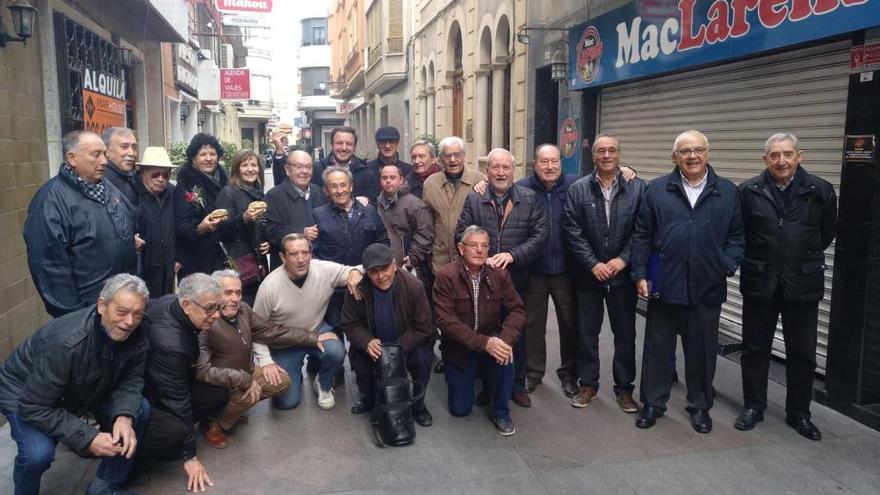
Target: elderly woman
(199,182)
(243,234)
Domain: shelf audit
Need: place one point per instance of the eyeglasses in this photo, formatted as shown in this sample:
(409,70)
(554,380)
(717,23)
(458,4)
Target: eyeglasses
(687,152)
(156,175)
(602,151)
(209,310)
(458,155)
(476,245)
(300,167)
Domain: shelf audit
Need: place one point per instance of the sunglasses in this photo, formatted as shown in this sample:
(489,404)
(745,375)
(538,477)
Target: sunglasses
(156,175)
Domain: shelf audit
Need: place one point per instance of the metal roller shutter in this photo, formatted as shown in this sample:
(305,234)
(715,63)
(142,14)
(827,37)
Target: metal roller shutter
(738,105)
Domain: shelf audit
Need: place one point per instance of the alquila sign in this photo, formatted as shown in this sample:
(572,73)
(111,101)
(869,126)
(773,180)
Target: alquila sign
(654,36)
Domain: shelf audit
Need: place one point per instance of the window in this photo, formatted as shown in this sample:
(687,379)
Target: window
(319,36)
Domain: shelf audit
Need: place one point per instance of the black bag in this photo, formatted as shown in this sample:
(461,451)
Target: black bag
(392,413)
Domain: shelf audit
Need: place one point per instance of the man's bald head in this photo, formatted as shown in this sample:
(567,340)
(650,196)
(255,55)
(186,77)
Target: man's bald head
(299,168)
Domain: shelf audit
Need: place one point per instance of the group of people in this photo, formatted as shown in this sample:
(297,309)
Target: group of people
(390,252)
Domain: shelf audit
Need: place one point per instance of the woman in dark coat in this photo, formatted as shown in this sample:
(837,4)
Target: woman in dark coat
(199,182)
(243,233)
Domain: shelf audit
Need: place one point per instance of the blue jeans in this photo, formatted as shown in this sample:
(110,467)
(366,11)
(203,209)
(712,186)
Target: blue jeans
(291,359)
(499,383)
(36,451)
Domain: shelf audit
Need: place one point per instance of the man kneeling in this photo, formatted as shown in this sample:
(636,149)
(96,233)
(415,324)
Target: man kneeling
(480,317)
(393,309)
(91,360)
(225,356)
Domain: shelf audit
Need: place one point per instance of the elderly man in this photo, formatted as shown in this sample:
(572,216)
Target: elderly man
(393,309)
(598,226)
(122,153)
(297,295)
(365,183)
(424,164)
(79,229)
(445,193)
(480,317)
(91,360)
(789,217)
(387,142)
(225,356)
(689,235)
(179,401)
(518,229)
(408,222)
(291,202)
(156,220)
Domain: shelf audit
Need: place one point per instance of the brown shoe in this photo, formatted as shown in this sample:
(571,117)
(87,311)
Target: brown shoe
(583,398)
(522,399)
(214,436)
(627,403)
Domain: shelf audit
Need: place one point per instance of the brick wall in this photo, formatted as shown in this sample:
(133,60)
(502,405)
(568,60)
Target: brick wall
(23,168)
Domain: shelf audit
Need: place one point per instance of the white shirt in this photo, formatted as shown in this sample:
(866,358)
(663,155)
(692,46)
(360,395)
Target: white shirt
(693,192)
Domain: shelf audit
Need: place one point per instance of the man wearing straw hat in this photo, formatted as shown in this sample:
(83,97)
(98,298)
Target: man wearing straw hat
(156,220)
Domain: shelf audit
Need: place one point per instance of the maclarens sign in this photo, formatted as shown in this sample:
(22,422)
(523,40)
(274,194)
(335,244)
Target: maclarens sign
(655,36)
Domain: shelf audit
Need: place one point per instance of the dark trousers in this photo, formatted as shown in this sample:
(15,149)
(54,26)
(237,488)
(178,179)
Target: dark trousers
(698,326)
(36,450)
(165,433)
(799,322)
(541,288)
(418,364)
(621,304)
(520,364)
(498,380)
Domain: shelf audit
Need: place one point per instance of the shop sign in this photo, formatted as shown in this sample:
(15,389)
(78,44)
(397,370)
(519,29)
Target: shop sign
(235,84)
(103,97)
(568,138)
(185,66)
(859,148)
(864,57)
(656,36)
(264,6)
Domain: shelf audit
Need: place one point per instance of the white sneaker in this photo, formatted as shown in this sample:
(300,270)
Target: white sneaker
(326,400)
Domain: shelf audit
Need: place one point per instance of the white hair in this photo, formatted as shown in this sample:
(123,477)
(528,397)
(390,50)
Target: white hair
(195,285)
(124,282)
(691,132)
(779,137)
(450,141)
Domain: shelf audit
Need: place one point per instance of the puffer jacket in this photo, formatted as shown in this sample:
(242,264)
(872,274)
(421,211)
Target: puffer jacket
(554,258)
(502,313)
(588,235)
(67,368)
(785,248)
(698,247)
(197,253)
(226,350)
(521,231)
(342,240)
(74,243)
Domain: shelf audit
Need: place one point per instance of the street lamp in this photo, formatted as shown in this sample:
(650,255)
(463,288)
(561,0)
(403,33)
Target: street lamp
(184,111)
(23,15)
(201,117)
(124,56)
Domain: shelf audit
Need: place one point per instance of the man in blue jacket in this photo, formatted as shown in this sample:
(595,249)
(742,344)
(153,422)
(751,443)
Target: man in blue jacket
(690,227)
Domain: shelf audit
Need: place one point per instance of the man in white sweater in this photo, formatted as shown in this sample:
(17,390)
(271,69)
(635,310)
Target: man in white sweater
(296,295)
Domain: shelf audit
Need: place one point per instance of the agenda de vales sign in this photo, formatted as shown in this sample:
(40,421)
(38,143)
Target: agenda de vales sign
(653,36)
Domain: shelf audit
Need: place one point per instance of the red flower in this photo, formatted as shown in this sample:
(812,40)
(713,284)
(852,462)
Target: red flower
(190,197)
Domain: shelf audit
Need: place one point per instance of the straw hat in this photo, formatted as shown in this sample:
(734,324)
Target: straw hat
(156,156)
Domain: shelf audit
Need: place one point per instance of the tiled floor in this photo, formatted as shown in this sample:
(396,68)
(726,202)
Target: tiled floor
(557,450)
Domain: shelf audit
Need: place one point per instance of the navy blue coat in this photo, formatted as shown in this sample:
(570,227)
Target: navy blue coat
(698,247)
(74,243)
(553,257)
(342,240)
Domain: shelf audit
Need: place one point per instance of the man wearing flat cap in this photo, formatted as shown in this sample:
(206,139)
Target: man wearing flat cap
(387,142)
(393,309)
(156,220)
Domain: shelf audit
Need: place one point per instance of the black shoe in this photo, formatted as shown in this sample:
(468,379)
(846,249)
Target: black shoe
(505,427)
(804,427)
(748,418)
(531,384)
(423,417)
(701,422)
(570,388)
(440,367)
(483,398)
(360,407)
(648,417)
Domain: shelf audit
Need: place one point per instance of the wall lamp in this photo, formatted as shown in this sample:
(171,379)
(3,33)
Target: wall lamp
(201,117)
(23,15)
(124,57)
(523,34)
(184,111)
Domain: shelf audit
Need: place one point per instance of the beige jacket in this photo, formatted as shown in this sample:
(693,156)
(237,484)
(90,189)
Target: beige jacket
(446,201)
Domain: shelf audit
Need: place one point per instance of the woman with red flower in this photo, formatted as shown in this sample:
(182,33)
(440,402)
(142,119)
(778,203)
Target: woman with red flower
(199,182)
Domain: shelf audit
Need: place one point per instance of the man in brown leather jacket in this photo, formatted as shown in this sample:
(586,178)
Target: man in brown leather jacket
(480,317)
(225,356)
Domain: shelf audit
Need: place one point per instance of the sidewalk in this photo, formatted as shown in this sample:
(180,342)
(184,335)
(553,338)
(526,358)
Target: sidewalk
(556,450)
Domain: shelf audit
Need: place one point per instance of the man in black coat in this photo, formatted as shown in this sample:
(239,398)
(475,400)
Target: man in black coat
(387,143)
(598,226)
(79,229)
(91,360)
(690,227)
(177,400)
(156,221)
(122,153)
(365,184)
(517,227)
(789,218)
(424,164)
(291,203)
